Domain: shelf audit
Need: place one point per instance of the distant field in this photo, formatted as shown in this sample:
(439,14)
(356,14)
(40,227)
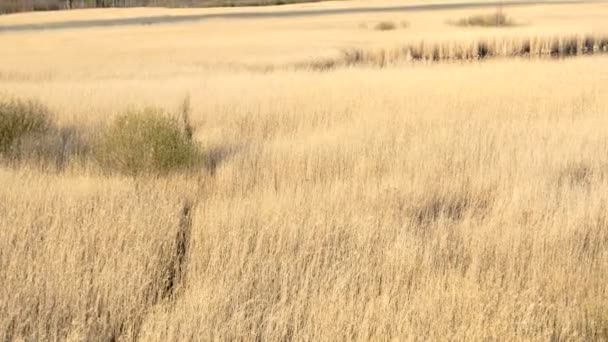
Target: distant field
(398,198)
(258,41)
(16,6)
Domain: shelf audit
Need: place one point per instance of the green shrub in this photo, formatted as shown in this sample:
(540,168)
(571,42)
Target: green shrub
(147,141)
(20,119)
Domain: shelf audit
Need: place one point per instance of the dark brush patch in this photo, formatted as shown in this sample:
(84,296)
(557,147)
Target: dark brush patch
(555,47)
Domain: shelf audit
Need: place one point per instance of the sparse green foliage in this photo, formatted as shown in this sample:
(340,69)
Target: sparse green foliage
(146,141)
(21,118)
(28,133)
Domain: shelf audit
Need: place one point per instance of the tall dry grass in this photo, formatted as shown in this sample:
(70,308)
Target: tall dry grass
(472,50)
(361,204)
(425,201)
(140,53)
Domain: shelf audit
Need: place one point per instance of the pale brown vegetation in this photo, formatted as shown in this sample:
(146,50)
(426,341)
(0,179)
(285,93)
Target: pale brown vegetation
(388,25)
(385,26)
(474,50)
(460,210)
(427,201)
(497,19)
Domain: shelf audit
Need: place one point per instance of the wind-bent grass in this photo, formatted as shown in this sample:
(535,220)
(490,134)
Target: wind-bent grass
(428,201)
(365,204)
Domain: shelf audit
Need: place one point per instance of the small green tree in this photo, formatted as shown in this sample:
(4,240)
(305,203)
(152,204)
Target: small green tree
(147,141)
(21,118)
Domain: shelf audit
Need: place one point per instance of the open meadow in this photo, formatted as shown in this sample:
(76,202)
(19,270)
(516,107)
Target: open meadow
(305,173)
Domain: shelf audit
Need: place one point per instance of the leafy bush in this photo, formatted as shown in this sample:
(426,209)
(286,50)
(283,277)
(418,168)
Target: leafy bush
(147,141)
(497,19)
(19,119)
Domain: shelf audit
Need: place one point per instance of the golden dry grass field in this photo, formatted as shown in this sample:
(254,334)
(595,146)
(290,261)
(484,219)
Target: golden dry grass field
(463,201)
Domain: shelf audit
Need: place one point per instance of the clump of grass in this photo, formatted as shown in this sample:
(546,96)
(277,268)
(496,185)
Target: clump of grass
(575,174)
(385,26)
(28,134)
(498,19)
(147,141)
(19,119)
(453,205)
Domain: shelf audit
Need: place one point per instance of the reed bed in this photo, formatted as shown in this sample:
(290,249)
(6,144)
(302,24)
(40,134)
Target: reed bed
(474,50)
